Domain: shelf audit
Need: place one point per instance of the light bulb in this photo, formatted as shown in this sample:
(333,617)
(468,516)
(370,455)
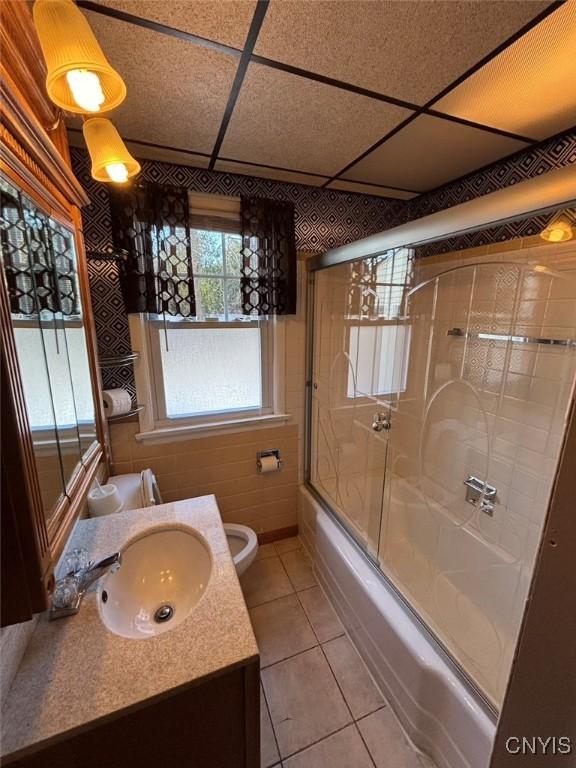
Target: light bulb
(117,172)
(86,89)
(557,231)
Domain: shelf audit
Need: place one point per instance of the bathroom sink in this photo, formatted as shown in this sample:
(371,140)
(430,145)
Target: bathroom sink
(163,575)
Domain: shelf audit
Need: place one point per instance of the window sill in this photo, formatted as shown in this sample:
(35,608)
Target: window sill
(169,434)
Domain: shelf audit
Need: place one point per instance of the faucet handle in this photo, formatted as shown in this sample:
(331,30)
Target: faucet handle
(66,596)
(75,561)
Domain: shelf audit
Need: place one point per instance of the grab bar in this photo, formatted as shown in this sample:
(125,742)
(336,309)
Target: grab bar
(515,339)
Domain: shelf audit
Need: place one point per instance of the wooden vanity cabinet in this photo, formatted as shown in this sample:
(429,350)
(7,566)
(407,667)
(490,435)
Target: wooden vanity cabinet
(49,458)
(212,724)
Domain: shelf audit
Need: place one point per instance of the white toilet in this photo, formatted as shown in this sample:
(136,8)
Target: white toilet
(140,489)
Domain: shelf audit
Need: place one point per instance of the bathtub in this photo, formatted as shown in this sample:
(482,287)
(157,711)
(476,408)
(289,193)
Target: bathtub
(440,714)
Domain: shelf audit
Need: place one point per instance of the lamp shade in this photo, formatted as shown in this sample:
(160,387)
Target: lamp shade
(79,78)
(558,231)
(111,161)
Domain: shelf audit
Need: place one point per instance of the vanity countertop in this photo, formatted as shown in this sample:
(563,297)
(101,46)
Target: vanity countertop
(75,671)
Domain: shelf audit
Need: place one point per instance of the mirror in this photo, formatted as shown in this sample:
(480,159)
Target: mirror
(39,261)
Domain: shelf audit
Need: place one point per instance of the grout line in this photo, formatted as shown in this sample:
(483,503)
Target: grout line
(288,658)
(318,741)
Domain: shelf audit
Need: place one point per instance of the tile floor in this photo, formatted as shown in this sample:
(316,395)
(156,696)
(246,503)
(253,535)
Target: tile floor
(319,706)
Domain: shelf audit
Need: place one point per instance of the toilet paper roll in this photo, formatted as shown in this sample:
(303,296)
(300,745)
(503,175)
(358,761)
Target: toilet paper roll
(104,500)
(116,401)
(269,464)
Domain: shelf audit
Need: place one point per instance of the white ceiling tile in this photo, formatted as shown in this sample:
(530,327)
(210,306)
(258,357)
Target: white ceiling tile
(369,189)
(225,22)
(410,50)
(177,92)
(429,152)
(529,88)
(278,174)
(284,120)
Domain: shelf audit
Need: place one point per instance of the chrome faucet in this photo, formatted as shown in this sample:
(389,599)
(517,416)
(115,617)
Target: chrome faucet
(70,590)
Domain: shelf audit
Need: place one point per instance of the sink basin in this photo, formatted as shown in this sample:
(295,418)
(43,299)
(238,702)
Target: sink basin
(163,575)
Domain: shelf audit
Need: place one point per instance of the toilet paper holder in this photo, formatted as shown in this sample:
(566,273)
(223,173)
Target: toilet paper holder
(264,454)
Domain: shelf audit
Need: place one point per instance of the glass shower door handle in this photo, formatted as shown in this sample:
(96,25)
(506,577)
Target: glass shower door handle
(381,422)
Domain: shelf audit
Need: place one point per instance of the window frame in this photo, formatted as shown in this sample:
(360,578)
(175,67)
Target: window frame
(146,334)
(154,429)
(156,337)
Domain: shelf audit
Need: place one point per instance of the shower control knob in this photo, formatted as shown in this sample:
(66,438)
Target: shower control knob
(381,421)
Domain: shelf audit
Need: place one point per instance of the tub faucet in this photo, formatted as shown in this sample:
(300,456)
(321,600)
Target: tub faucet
(70,590)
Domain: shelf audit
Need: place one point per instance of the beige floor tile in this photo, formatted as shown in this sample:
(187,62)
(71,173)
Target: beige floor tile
(299,569)
(344,749)
(356,684)
(265,550)
(281,629)
(321,615)
(304,700)
(287,545)
(268,749)
(386,742)
(265,580)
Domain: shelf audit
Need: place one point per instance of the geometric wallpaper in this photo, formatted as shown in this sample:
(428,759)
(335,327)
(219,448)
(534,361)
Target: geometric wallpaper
(324,219)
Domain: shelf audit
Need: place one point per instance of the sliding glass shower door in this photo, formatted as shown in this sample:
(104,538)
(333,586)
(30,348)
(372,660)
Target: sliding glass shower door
(360,347)
(438,411)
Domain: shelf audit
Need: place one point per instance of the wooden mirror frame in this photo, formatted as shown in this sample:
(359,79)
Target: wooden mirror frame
(34,157)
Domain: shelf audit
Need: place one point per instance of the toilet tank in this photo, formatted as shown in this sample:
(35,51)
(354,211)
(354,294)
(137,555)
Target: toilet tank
(137,489)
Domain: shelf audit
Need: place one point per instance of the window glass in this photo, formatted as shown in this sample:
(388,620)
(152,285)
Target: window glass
(207,370)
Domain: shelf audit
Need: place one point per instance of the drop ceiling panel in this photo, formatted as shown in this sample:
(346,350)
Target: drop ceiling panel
(370,189)
(429,152)
(529,88)
(410,50)
(229,166)
(225,22)
(289,121)
(177,92)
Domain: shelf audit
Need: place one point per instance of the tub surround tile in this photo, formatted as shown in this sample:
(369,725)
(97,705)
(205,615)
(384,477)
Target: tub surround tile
(268,749)
(76,671)
(264,581)
(320,613)
(360,692)
(344,749)
(281,629)
(386,742)
(299,569)
(304,700)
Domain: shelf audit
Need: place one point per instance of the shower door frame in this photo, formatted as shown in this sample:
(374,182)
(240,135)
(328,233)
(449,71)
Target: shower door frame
(392,240)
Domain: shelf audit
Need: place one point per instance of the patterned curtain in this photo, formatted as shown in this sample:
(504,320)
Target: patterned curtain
(38,256)
(151,227)
(268,272)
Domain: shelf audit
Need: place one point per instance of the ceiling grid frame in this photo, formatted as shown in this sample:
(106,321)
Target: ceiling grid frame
(246,56)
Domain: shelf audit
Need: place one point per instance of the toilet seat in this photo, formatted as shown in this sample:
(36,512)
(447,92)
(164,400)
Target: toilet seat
(243,544)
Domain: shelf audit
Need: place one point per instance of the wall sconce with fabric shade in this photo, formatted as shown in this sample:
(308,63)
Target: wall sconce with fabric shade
(79,78)
(558,230)
(111,161)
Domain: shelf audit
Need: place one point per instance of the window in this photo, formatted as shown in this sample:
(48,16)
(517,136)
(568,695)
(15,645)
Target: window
(379,356)
(378,337)
(218,368)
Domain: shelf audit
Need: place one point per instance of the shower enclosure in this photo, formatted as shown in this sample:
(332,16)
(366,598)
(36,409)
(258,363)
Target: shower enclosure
(439,391)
